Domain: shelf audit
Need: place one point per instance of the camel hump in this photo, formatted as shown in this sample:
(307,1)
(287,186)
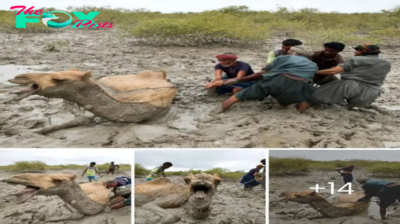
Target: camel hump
(149,87)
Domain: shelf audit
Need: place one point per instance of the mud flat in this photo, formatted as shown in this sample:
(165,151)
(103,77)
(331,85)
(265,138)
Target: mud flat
(230,205)
(294,213)
(38,208)
(188,124)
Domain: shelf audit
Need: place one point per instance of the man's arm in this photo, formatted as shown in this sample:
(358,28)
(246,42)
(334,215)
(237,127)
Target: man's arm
(347,66)
(243,70)
(98,172)
(115,190)
(218,74)
(84,172)
(330,71)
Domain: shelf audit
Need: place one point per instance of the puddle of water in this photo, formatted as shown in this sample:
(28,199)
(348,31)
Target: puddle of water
(9,71)
(391,144)
(373,210)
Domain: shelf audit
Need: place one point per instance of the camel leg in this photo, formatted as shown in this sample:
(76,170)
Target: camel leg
(75,215)
(79,121)
(166,217)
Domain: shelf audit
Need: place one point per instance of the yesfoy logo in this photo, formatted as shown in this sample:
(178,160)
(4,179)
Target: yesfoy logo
(25,16)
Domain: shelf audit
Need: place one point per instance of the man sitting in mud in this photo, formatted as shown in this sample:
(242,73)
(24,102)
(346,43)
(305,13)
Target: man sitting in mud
(361,79)
(289,79)
(158,171)
(328,58)
(249,179)
(118,182)
(286,45)
(387,192)
(232,69)
(346,174)
(91,171)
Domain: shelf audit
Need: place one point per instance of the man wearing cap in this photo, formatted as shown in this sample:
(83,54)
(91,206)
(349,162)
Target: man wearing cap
(386,191)
(232,68)
(361,79)
(328,58)
(286,45)
(118,182)
(288,79)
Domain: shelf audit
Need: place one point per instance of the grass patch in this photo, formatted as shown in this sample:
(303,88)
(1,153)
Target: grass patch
(235,25)
(34,166)
(301,166)
(224,173)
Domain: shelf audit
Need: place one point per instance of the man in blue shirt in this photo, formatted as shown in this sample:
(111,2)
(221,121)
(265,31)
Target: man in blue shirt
(289,79)
(232,68)
(386,191)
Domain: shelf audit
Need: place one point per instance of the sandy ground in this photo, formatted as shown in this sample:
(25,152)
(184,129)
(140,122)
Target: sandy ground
(188,124)
(295,213)
(230,205)
(39,207)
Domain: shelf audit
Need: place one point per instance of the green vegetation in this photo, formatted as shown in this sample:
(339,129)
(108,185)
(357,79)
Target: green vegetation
(237,25)
(41,166)
(301,166)
(224,173)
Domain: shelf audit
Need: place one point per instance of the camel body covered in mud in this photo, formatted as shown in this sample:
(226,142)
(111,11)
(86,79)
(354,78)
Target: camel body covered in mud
(81,199)
(161,193)
(122,98)
(344,205)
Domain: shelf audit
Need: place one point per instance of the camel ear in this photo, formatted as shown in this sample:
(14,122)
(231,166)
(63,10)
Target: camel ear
(86,75)
(188,178)
(217,179)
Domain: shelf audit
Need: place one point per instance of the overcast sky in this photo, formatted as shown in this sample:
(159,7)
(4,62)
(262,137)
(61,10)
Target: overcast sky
(167,6)
(386,155)
(234,160)
(67,156)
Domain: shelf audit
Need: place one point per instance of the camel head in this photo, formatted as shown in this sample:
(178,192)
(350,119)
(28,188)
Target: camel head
(202,188)
(304,197)
(53,85)
(39,184)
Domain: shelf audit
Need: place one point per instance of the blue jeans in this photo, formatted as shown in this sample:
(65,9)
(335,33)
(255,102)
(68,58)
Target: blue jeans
(90,178)
(228,89)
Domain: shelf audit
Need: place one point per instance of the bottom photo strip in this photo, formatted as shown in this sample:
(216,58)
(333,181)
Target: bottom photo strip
(334,186)
(171,186)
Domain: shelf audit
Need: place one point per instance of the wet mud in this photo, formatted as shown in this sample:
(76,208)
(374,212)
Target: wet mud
(189,123)
(291,212)
(230,204)
(39,208)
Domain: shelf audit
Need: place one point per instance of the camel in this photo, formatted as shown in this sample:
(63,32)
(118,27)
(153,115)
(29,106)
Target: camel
(122,98)
(344,205)
(82,199)
(161,193)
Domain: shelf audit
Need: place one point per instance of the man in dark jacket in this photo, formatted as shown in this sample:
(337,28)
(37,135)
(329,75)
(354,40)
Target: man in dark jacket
(328,58)
(387,191)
